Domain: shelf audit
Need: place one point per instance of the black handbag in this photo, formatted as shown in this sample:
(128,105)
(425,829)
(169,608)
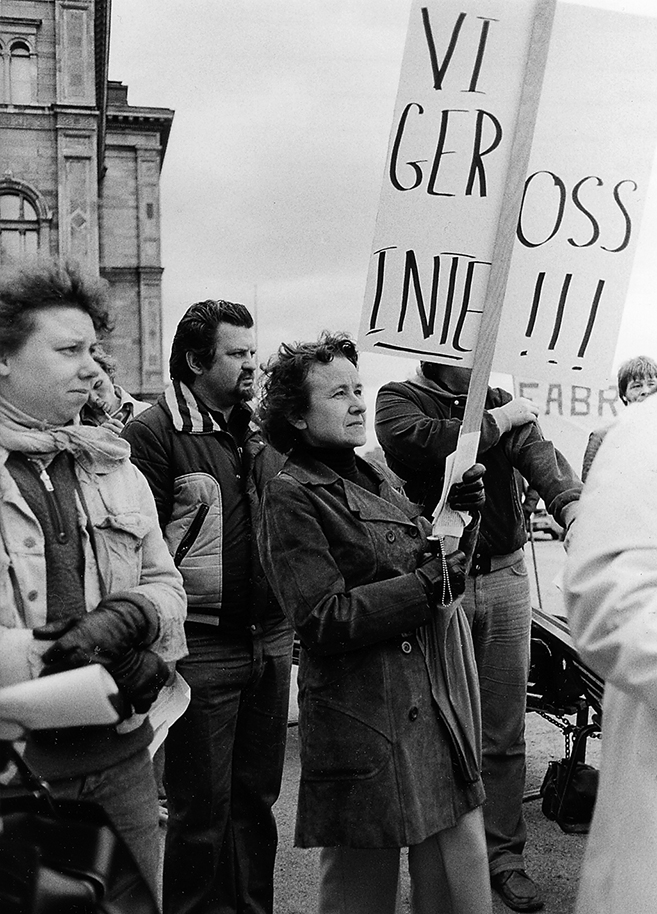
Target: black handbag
(569,790)
(63,856)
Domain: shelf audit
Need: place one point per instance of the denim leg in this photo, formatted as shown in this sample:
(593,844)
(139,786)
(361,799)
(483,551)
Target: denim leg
(223,768)
(197,776)
(499,608)
(128,794)
(258,760)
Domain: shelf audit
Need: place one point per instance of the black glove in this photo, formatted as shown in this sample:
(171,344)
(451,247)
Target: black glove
(140,675)
(430,574)
(100,636)
(469,494)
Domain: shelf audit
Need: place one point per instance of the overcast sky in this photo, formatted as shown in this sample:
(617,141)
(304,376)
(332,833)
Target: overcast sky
(272,176)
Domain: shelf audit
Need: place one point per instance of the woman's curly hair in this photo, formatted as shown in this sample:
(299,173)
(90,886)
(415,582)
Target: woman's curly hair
(283,385)
(27,288)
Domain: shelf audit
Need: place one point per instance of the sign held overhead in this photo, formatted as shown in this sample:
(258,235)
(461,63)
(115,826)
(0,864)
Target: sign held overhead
(446,183)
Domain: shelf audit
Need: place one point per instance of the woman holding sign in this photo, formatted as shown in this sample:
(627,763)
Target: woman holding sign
(389,714)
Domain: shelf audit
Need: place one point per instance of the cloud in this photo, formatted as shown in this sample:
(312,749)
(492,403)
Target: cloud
(275,160)
(272,176)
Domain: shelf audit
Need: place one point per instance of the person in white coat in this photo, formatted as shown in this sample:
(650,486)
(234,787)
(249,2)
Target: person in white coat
(611,598)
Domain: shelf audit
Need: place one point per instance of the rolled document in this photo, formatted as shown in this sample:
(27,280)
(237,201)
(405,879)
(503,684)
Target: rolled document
(87,696)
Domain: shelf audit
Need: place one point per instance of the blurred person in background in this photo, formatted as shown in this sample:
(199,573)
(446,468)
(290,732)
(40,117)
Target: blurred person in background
(389,723)
(107,400)
(636,379)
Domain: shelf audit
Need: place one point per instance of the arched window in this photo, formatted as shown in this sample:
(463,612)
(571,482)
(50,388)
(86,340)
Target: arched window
(19,227)
(20,73)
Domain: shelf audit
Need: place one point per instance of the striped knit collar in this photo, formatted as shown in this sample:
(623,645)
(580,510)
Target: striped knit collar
(191,415)
(187,413)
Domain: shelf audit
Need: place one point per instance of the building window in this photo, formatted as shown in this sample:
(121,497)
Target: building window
(20,73)
(19,227)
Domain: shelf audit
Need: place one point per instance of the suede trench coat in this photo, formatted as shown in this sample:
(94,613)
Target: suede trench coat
(378,754)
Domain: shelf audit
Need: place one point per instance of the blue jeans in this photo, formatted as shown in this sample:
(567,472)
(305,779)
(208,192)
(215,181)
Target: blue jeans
(498,606)
(223,770)
(128,794)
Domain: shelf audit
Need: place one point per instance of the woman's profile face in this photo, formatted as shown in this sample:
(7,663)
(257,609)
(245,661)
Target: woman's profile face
(336,413)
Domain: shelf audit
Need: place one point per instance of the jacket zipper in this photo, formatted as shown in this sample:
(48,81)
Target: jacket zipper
(191,534)
(53,503)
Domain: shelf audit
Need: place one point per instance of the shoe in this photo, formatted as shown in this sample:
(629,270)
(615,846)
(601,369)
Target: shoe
(517,890)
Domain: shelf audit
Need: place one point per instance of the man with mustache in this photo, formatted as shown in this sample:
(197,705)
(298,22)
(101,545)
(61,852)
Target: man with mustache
(206,463)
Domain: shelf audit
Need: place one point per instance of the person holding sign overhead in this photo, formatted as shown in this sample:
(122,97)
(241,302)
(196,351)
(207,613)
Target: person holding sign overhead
(417,424)
(389,712)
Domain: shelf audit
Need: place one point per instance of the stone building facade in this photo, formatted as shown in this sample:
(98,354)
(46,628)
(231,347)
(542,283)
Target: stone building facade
(80,168)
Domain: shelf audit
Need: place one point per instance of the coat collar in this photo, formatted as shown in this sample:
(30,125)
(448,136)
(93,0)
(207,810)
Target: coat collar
(389,505)
(418,380)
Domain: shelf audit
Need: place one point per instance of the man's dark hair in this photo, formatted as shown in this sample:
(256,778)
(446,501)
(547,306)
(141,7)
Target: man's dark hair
(27,289)
(106,361)
(197,333)
(284,388)
(636,369)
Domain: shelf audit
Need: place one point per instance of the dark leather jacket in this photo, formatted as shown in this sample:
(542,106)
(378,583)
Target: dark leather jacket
(418,425)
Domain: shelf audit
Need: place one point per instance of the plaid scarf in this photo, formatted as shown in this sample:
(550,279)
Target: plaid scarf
(97,449)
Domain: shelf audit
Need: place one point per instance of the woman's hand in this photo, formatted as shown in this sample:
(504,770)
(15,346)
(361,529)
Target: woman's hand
(432,574)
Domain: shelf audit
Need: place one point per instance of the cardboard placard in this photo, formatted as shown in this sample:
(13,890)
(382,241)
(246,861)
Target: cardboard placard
(446,181)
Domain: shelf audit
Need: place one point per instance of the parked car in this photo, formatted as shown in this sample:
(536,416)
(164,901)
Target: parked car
(542,522)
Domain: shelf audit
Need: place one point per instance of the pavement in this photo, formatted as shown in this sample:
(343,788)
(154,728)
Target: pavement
(553,858)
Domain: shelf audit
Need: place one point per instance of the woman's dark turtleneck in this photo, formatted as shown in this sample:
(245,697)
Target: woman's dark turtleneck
(342,460)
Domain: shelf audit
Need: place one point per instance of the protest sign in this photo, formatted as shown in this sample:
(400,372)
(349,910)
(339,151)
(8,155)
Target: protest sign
(446,181)
(478,214)
(446,177)
(586,186)
(568,413)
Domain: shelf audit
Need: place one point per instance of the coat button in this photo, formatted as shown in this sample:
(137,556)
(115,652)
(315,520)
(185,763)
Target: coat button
(406,647)
(413,714)
(29,542)
(32,595)
(390,536)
